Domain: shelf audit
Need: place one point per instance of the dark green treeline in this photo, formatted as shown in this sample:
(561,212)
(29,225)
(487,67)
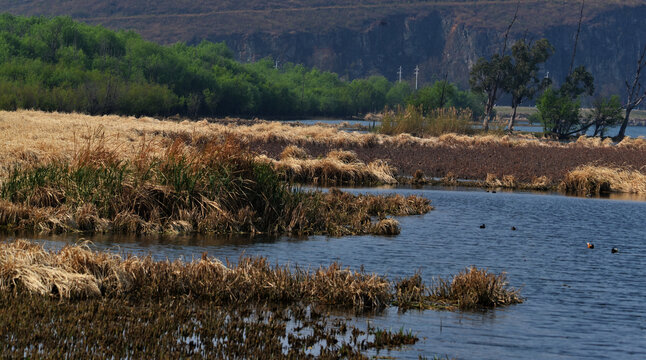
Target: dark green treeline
(57,64)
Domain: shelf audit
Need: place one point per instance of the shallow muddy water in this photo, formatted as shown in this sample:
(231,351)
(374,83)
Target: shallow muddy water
(581,303)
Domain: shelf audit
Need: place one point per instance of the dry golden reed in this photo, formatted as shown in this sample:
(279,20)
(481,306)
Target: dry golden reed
(339,167)
(471,289)
(591,179)
(55,135)
(193,185)
(78,272)
(475,288)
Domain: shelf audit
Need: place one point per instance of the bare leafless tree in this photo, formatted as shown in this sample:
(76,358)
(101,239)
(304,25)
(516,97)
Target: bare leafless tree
(635,93)
(576,39)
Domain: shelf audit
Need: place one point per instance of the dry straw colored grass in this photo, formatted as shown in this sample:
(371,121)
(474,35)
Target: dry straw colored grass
(192,184)
(476,288)
(34,136)
(591,179)
(510,182)
(411,120)
(471,289)
(339,167)
(78,272)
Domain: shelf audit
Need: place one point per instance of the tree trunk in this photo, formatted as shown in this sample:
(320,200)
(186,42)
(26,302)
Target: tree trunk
(512,120)
(624,124)
(491,99)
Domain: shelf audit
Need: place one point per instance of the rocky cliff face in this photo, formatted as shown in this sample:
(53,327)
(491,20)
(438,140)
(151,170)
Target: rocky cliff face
(438,44)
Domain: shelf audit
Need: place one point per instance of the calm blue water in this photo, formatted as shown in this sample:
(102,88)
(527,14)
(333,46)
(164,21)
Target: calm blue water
(632,131)
(581,303)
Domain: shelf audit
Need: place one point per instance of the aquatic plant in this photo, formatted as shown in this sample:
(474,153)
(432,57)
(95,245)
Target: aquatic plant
(339,167)
(77,272)
(436,122)
(591,179)
(206,186)
(475,288)
(177,327)
(385,339)
(471,289)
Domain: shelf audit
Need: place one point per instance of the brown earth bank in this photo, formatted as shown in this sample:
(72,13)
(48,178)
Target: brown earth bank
(475,162)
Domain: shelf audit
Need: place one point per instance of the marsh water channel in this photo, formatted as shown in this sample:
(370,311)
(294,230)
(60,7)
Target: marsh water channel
(580,302)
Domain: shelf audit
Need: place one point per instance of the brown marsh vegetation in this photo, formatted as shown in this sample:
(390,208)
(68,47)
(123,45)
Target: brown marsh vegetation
(77,272)
(471,289)
(204,186)
(324,154)
(590,180)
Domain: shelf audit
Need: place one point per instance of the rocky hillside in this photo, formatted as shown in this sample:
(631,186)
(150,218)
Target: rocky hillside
(358,38)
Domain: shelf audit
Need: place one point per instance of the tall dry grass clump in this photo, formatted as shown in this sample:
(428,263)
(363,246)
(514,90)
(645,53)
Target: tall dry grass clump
(591,179)
(339,167)
(78,272)
(474,289)
(471,289)
(411,120)
(195,185)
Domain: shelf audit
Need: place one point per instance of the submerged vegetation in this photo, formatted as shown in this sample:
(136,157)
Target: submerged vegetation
(205,186)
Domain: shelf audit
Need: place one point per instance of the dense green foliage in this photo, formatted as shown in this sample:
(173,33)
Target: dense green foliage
(443,95)
(559,109)
(62,65)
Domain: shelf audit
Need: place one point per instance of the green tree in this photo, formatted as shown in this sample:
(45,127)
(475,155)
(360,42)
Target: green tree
(558,112)
(605,113)
(487,77)
(398,94)
(523,82)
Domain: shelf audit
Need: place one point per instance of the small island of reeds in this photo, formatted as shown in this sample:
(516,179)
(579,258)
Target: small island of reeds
(99,302)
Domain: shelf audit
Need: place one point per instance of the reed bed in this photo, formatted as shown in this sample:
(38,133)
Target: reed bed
(76,272)
(204,186)
(591,179)
(339,167)
(471,289)
(510,182)
(55,134)
(412,121)
(83,303)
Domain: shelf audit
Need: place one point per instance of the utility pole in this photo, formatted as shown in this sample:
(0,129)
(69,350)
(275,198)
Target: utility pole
(416,75)
(400,74)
